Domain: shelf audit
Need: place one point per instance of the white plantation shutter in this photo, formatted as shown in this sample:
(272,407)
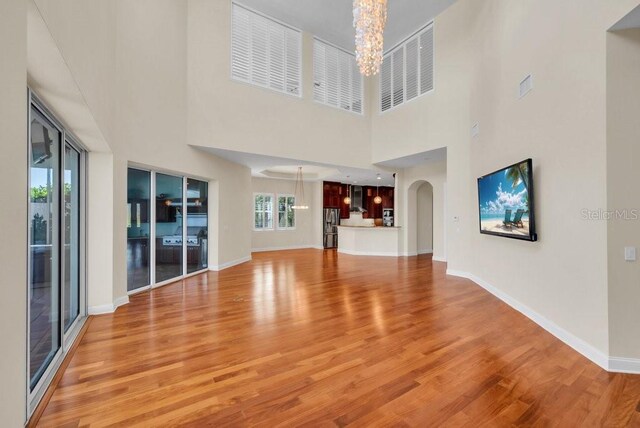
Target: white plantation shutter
(407,71)
(398,76)
(319,73)
(276,58)
(356,89)
(426,60)
(331,84)
(344,75)
(265,53)
(336,78)
(293,69)
(241,45)
(385,84)
(412,52)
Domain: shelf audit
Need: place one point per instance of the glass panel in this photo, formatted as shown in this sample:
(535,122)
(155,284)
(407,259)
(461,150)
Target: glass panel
(291,213)
(197,224)
(138,228)
(168,227)
(44,302)
(268,212)
(71,235)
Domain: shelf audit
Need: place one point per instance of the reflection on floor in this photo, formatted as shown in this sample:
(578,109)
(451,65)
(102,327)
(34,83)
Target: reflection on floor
(317,338)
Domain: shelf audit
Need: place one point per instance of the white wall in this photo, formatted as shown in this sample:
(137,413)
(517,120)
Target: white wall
(424,218)
(236,116)
(623,174)
(408,181)
(13,175)
(305,233)
(126,63)
(483,50)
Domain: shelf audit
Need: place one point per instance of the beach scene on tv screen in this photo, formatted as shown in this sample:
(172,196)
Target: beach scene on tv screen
(504,201)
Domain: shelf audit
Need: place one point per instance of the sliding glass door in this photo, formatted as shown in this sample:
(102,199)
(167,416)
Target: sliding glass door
(56,249)
(44,249)
(197,224)
(72,212)
(167,238)
(169,221)
(138,229)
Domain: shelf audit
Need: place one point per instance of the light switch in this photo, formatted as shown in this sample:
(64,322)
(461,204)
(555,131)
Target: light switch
(630,254)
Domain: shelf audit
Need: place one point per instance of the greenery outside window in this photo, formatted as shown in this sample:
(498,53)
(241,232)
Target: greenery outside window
(263,211)
(286,213)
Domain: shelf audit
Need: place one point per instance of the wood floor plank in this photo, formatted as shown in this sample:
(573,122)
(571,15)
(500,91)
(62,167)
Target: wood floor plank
(316,338)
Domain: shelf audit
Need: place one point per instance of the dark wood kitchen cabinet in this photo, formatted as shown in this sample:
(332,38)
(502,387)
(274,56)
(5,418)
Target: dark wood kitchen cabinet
(333,195)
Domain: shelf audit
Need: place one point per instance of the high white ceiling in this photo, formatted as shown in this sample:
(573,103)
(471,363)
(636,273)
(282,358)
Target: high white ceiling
(332,20)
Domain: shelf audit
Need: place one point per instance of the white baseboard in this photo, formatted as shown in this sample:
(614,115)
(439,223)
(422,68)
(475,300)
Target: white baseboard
(425,251)
(217,268)
(108,308)
(408,254)
(438,259)
(294,247)
(612,364)
(624,365)
(368,253)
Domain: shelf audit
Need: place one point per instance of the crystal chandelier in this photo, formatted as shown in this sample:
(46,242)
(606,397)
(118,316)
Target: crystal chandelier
(369,19)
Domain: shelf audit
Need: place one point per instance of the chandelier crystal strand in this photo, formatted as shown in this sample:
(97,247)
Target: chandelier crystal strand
(369,20)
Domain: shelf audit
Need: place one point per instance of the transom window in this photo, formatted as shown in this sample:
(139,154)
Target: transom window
(265,53)
(337,81)
(407,70)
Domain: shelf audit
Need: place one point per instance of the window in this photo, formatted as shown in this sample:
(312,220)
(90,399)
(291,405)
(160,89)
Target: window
(263,211)
(336,78)
(265,53)
(286,213)
(407,71)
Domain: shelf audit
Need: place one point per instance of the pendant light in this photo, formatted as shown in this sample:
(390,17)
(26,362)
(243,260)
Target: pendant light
(298,193)
(377,200)
(347,200)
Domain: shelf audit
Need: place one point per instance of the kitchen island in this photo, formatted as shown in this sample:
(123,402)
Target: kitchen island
(369,241)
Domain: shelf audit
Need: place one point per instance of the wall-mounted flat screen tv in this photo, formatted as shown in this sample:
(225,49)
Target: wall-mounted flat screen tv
(507,202)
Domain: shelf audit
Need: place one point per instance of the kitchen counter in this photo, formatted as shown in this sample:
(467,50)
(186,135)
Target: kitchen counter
(368,241)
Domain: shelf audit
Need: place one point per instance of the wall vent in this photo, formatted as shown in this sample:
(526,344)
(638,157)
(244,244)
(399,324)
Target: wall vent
(526,86)
(475,130)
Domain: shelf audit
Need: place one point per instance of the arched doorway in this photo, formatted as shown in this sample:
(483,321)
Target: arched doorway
(420,218)
(424,219)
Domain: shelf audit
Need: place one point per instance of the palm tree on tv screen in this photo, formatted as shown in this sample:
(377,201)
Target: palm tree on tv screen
(519,173)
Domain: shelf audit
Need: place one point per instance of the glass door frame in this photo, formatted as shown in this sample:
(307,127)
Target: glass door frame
(152,227)
(67,338)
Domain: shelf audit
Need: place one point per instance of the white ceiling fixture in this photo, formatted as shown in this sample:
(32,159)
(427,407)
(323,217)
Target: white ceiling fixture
(332,20)
(369,20)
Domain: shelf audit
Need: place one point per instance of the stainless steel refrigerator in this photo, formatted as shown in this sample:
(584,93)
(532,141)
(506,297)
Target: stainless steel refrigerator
(330,222)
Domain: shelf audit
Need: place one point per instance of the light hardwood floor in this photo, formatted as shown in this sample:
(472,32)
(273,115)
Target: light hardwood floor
(315,338)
